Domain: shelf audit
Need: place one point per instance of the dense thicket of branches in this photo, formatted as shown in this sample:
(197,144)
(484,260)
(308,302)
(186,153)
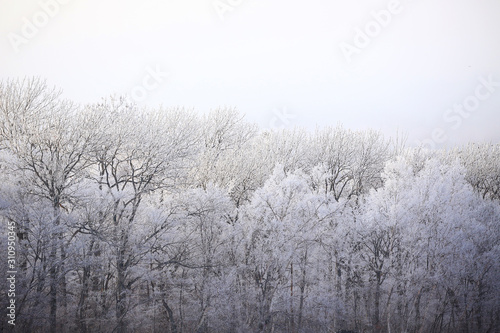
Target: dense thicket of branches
(166,221)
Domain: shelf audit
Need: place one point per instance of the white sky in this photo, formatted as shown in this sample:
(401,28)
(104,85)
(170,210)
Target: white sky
(269,57)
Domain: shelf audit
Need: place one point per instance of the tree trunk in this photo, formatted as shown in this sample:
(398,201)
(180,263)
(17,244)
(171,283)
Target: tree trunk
(171,319)
(302,291)
(417,312)
(121,292)
(376,311)
(82,325)
(54,269)
(292,319)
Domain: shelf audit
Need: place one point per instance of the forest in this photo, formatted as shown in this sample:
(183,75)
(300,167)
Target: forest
(131,219)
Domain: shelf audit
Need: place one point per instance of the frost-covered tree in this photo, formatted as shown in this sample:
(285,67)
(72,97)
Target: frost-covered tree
(139,152)
(282,227)
(350,161)
(417,237)
(482,162)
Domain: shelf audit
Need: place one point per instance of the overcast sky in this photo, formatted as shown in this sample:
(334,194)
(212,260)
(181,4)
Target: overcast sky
(388,65)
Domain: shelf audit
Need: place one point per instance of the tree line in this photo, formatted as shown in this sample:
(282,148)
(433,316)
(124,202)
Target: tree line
(165,220)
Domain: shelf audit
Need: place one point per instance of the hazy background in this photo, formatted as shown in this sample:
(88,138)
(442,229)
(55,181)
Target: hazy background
(278,61)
